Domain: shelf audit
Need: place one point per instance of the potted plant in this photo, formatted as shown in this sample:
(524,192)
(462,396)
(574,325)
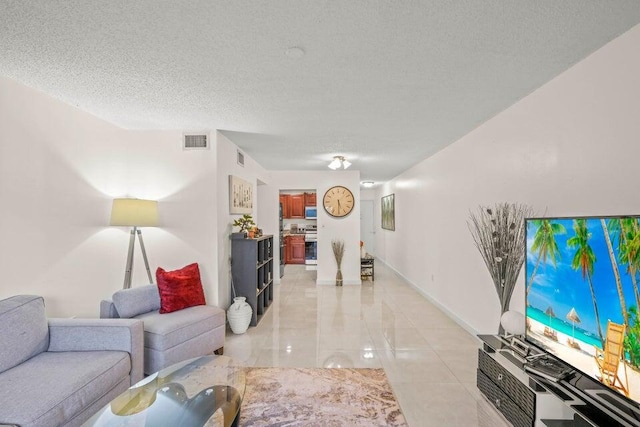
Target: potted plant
(245,222)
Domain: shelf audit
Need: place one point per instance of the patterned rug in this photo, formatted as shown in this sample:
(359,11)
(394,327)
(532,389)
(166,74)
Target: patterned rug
(289,397)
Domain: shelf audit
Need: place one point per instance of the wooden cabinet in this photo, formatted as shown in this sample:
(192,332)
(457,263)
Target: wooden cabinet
(296,206)
(252,272)
(293,204)
(297,251)
(294,250)
(287,250)
(309,199)
(285,199)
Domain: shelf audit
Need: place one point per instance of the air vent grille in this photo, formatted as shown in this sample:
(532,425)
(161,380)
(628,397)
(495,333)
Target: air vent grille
(195,141)
(240,158)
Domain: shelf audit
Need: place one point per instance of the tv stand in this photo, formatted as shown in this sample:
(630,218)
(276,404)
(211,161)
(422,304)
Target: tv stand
(577,421)
(505,384)
(526,399)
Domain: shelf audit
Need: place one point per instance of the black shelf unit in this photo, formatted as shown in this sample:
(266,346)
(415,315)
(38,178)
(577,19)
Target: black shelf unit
(252,272)
(367,268)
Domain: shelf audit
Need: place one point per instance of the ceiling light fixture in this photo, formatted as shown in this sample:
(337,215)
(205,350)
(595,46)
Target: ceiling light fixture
(367,184)
(339,161)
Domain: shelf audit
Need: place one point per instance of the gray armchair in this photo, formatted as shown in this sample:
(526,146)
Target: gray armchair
(59,372)
(172,337)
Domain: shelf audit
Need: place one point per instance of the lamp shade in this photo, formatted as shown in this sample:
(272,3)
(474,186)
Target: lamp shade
(513,322)
(134,212)
(338,162)
(335,164)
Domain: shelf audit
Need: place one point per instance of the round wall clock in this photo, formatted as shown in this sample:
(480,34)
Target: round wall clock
(338,201)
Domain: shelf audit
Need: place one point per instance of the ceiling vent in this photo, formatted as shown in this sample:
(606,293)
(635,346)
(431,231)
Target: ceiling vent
(195,141)
(240,158)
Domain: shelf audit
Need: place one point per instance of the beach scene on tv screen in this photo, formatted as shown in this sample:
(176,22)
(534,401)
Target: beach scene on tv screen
(582,278)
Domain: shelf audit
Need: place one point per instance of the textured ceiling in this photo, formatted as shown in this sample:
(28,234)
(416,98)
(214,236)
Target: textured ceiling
(385,83)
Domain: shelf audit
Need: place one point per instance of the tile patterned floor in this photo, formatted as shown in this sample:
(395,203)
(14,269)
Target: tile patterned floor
(430,361)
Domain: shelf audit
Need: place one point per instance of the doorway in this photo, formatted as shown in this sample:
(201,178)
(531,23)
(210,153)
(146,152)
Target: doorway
(367,229)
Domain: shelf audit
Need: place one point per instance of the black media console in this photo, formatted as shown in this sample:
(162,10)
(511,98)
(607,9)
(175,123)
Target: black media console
(526,399)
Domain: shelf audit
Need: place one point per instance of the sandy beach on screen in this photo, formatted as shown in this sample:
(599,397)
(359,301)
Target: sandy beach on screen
(583,358)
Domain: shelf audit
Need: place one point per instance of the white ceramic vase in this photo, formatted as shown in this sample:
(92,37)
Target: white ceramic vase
(239,315)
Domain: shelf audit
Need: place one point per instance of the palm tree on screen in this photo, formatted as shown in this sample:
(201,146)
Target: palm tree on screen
(616,272)
(584,260)
(544,244)
(628,233)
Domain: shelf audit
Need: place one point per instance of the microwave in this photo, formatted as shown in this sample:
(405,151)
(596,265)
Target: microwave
(310,212)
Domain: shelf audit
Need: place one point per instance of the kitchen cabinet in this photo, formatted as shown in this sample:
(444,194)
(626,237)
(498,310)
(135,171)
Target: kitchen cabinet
(294,249)
(293,204)
(296,205)
(297,250)
(287,250)
(309,199)
(285,199)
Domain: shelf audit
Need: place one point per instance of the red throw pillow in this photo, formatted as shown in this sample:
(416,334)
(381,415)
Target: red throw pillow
(180,288)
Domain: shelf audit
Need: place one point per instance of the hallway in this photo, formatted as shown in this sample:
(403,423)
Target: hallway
(430,360)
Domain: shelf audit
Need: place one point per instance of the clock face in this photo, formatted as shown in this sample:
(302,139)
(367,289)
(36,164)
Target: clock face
(338,201)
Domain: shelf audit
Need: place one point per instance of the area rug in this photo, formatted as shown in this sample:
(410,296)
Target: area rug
(288,397)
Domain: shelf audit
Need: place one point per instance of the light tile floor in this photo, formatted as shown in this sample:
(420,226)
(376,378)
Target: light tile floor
(430,360)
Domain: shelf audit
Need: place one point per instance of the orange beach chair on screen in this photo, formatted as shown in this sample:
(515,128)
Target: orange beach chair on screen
(608,360)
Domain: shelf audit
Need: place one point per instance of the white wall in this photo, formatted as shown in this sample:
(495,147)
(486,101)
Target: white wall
(570,148)
(329,228)
(367,194)
(370,195)
(60,168)
(252,172)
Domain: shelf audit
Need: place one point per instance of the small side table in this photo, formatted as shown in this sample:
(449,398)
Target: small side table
(367,268)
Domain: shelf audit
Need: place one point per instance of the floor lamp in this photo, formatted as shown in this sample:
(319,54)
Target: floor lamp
(134,213)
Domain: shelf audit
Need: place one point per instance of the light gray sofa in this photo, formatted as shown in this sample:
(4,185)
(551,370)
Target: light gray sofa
(59,372)
(171,337)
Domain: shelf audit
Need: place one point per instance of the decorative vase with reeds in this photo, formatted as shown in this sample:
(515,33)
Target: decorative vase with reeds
(338,251)
(499,235)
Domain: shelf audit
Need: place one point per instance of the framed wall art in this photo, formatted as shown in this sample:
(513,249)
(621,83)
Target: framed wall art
(388,212)
(240,196)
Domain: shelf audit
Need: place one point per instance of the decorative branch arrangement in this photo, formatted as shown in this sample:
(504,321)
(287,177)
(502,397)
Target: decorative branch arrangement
(338,251)
(499,235)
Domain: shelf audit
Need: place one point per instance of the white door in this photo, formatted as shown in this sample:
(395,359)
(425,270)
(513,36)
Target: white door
(367,230)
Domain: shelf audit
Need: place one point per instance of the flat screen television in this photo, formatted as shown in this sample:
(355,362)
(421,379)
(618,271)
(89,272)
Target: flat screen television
(582,286)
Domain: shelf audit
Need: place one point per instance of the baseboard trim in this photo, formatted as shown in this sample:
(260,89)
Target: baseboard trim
(464,325)
(333,282)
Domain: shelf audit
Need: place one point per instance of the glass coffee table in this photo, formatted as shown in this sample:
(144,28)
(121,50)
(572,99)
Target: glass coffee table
(205,391)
